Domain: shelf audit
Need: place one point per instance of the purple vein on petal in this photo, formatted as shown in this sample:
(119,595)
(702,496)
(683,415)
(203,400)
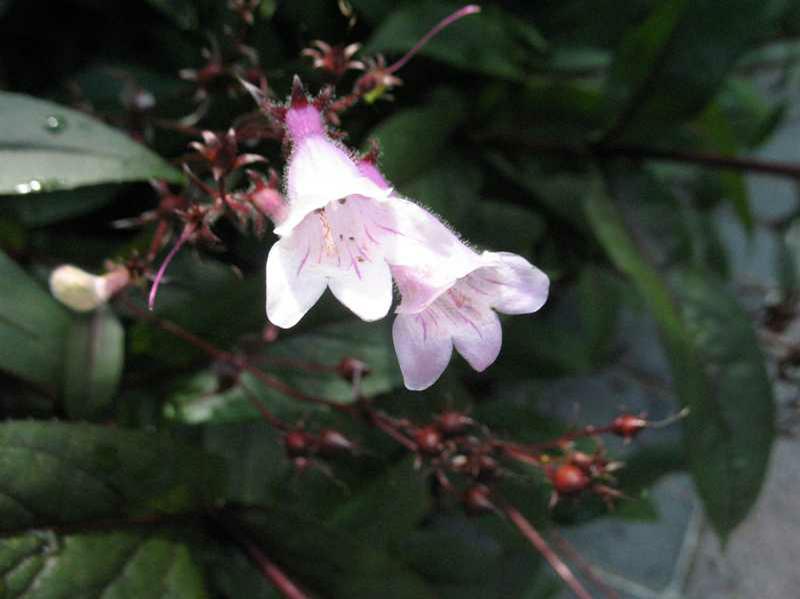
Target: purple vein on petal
(303,261)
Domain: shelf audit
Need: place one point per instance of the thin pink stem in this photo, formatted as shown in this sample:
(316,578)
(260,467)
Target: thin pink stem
(151,299)
(470,9)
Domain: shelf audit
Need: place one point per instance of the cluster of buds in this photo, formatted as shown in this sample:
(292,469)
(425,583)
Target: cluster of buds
(466,460)
(306,449)
(378,78)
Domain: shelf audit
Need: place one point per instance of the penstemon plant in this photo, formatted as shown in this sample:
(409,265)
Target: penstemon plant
(199,419)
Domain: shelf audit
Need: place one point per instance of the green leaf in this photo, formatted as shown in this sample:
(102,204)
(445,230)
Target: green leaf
(122,564)
(331,561)
(33,328)
(730,432)
(95,354)
(668,68)
(388,508)
(59,473)
(412,140)
(49,208)
(463,44)
(717,369)
(48,147)
(202,398)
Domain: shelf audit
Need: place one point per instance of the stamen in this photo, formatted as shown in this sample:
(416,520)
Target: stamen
(470,9)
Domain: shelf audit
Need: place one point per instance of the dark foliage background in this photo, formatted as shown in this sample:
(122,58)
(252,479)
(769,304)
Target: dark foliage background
(598,139)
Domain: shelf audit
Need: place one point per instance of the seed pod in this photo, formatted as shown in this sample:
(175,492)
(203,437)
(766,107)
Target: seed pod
(429,440)
(453,423)
(332,442)
(297,443)
(477,500)
(628,426)
(568,479)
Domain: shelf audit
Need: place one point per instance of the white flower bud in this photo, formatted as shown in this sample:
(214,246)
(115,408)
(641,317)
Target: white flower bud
(83,291)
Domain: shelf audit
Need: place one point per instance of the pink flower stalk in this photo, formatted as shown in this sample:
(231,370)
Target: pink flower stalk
(431,321)
(342,229)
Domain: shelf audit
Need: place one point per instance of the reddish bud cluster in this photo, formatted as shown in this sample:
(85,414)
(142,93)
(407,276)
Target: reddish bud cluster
(327,443)
(336,60)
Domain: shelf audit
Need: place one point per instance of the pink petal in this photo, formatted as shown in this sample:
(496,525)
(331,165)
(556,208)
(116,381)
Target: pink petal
(292,289)
(426,250)
(423,349)
(515,285)
(478,337)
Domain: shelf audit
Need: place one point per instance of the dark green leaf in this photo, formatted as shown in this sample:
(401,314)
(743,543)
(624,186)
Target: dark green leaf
(122,564)
(717,369)
(49,147)
(182,12)
(463,44)
(33,328)
(60,473)
(331,561)
(412,140)
(201,398)
(52,207)
(670,67)
(730,432)
(388,508)
(95,353)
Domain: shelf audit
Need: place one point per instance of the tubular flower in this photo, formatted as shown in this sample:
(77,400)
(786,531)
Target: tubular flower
(343,228)
(431,321)
(83,291)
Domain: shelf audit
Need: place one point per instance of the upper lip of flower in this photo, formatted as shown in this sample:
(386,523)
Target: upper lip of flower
(320,172)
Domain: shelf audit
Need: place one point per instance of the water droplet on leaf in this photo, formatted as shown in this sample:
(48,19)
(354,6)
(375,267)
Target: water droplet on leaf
(55,124)
(31,186)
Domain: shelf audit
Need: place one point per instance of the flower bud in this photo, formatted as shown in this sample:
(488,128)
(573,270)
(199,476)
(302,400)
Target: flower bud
(628,426)
(477,500)
(297,443)
(332,442)
(568,479)
(429,440)
(83,291)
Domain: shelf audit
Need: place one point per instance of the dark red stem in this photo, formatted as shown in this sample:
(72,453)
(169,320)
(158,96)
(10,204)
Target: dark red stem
(535,539)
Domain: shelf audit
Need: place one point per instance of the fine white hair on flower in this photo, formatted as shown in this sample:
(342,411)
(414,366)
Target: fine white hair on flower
(347,230)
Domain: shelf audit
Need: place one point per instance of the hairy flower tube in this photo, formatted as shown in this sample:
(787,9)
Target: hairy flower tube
(343,228)
(432,321)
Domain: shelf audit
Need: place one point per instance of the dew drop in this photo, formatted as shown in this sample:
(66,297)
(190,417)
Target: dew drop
(31,186)
(55,124)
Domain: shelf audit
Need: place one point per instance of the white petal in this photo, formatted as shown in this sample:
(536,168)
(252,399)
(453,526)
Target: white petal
(515,285)
(427,251)
(292,289)
(423,350)
(319,172)
(479,336)
(365,287)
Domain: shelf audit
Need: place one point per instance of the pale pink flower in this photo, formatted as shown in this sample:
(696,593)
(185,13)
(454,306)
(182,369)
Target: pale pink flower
(342,229)
(432,320)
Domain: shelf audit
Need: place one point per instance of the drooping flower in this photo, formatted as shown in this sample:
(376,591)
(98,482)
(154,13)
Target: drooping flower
(432,320)
(342,229)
